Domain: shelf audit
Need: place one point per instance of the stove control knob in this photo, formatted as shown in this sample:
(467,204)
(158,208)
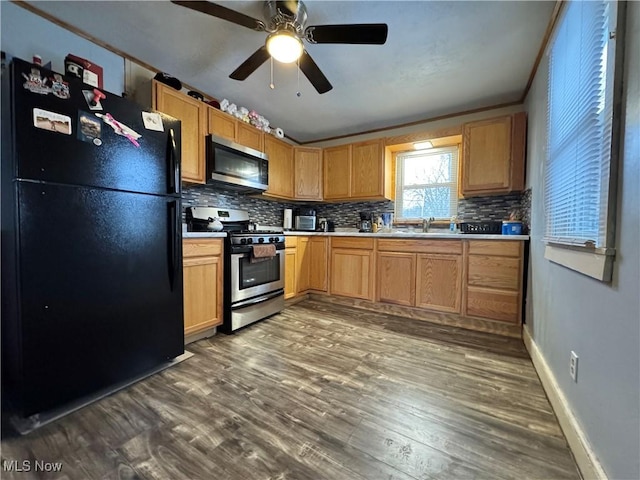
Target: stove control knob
(249,240)
(243,241)
(273,239)
(261,240)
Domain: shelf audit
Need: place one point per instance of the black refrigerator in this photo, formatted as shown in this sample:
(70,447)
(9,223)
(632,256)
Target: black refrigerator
(91,240)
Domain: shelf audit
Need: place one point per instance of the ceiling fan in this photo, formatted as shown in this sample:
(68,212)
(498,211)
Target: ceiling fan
(286,27)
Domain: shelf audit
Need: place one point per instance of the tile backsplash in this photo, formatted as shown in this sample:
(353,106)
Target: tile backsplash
(270,212)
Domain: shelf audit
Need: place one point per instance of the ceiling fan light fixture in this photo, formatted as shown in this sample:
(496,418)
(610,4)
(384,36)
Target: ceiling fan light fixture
(284,46)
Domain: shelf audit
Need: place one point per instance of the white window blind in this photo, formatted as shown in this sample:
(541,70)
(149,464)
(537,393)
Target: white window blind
(579,126)
(427,184)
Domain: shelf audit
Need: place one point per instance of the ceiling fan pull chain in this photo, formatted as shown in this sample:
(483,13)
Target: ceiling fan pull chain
(298,70)
(272,85)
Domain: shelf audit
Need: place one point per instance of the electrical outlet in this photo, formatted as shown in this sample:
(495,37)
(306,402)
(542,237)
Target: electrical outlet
(573,366)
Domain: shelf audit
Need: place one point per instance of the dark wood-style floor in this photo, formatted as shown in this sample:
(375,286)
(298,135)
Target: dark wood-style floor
(319,392)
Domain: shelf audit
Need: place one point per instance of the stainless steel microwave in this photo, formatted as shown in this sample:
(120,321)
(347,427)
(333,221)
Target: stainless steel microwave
(235,166)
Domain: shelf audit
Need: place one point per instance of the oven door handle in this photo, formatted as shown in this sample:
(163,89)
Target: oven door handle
(248,254)
(255,301)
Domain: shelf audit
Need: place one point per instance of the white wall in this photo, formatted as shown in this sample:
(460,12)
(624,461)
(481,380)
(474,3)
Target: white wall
(25,34)
(600,322)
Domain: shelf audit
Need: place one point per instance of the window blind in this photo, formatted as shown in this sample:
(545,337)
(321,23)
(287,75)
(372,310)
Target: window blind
(579,123)
(427,184)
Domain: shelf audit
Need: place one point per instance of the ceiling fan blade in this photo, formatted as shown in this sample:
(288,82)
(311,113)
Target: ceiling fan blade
(224,13)
(313,73)
(363,33)
(251,64)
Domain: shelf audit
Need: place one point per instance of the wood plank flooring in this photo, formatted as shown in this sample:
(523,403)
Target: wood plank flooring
(320,391)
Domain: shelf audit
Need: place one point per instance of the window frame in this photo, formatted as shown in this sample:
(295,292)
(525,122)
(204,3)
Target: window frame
(453,185)
(587,259)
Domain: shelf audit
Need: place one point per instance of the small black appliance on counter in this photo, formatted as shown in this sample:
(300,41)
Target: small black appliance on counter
(305,219)
(366,222)
(481,228)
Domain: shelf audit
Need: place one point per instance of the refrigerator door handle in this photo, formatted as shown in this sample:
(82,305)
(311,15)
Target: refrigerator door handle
(173,170)
(174,242)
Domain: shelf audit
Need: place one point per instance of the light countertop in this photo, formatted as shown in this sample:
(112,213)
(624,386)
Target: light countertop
(204,234)
(411,235)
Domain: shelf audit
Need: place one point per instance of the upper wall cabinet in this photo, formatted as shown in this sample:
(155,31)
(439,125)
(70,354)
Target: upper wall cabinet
(281,172)
(493,153)
(308,173)
(359,171)
(192,114)
(224,125)
(367,169)
(337,172)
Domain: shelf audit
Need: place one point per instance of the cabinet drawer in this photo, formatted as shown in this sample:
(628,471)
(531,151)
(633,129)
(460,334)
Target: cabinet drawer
(494,272)
(201,247)
(290,242)
(495,247)
(420,246)
(493,304)
(351,242)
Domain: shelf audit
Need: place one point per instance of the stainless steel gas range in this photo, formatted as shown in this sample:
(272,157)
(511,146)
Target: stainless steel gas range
(253,266)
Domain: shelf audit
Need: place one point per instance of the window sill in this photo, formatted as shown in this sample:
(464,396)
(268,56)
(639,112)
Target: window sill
(596,263)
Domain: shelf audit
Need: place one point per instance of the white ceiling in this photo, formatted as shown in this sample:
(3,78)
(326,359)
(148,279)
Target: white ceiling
(440,57)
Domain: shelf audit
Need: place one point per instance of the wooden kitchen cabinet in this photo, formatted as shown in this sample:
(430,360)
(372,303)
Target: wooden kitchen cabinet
(494,280)
(352,267)
(358,171)
(337,172)
(281,171)
(308,173)
(397,278)
(192,114)
(430,278)
(439,282)
(249,136)
(302,265)
(226,126)
(317,253)
(290,267)
(222,125)
(202,270)
(305,265)
(493,155)
(367,169)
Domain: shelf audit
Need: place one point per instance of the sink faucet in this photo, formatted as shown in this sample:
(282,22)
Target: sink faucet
(426,224)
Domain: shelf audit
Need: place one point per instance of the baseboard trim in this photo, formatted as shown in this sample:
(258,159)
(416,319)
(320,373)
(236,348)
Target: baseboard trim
(584,455)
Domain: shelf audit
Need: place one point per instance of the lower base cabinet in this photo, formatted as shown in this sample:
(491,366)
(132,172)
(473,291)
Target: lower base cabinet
(305,265)
(202,271)
(352,272)
(290,267)
(317,253)
(397,278)
(479,279)
(494,280)
(429,279)
(439,282)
